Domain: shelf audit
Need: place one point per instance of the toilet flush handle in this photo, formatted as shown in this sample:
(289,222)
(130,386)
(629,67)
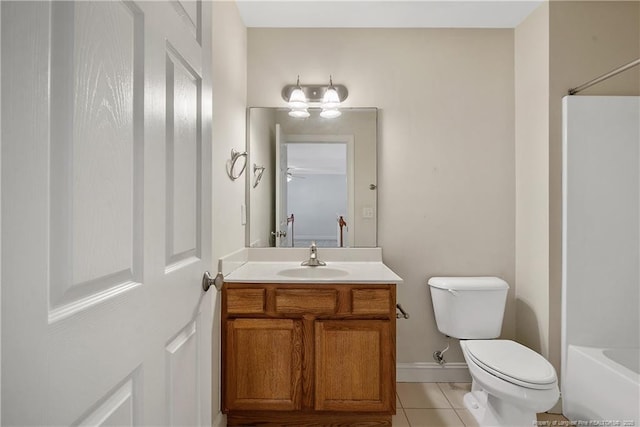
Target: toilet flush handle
(453,292)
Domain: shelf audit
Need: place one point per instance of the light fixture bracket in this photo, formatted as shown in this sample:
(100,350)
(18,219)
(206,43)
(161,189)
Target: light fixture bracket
(314,93)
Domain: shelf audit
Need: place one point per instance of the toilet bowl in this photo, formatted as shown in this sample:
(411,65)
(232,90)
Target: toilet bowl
(510,382)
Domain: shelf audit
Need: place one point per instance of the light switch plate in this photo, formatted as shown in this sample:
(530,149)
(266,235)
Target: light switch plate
(367,212)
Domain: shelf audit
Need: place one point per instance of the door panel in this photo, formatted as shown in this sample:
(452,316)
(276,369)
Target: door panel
(183,168)
(95,163)
(121,407)
(106,170)
(191,13)
(182,377)
(353,363)
(264,363)
(282,233)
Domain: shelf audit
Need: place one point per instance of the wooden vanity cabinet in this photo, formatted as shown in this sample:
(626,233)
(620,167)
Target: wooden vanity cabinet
(308,354)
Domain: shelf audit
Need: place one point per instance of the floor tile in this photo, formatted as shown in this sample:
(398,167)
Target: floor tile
(399,419)
(433,418)
(455,393)
(442,405)
(421,395)
(550,417)
(467,418)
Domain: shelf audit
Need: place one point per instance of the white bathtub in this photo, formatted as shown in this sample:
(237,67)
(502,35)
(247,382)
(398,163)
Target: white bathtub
(602,385)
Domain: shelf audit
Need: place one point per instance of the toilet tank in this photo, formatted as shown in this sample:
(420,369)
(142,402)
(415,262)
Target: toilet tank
(469,307)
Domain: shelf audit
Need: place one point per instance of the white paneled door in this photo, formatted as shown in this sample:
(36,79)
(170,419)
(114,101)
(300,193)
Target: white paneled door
(106,207)
(283,233)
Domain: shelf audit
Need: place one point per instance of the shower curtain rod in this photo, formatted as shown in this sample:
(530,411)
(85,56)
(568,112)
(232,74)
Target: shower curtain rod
(604,77)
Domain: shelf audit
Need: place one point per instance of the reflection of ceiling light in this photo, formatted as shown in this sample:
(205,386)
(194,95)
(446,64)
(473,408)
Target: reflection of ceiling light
(330,113)
(300,97)
(299,113)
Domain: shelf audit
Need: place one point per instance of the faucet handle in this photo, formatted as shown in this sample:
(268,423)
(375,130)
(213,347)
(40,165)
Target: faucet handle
(313,257)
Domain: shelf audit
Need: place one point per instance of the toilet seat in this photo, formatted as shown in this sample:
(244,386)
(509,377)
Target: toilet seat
(513,363)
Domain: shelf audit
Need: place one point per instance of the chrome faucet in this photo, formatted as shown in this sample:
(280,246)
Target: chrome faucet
(313,260)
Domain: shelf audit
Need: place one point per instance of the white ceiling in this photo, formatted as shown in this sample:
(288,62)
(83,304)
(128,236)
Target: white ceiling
(385,13)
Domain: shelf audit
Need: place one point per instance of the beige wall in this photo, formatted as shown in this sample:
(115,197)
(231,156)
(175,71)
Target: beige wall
(585,40)
(229,119)
(229,105)
(446,201)
(532,180)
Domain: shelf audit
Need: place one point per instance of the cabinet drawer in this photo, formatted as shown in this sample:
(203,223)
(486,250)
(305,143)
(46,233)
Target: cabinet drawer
(315,301)
(245,300)
(371,301)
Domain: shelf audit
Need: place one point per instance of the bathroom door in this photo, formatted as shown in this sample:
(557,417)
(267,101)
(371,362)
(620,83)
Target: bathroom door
(283,235)
(106,207)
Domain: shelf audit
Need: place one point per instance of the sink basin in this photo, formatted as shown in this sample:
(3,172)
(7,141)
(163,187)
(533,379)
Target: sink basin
(313,272)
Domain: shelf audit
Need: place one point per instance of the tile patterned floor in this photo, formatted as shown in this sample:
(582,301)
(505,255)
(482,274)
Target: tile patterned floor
(441,405)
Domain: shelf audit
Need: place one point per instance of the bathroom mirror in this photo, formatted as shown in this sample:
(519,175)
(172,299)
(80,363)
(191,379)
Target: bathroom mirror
(319,179)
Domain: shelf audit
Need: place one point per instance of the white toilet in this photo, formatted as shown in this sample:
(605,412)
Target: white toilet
(511,383)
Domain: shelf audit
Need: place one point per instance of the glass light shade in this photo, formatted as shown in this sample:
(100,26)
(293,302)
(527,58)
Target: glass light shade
(297,99)
(299,113)
(330,99)
(330,113)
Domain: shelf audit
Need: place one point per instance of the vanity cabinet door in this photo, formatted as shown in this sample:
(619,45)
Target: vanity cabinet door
(354,363)
(264,364)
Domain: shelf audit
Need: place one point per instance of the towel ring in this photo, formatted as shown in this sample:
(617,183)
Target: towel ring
(232,164)
(257,174)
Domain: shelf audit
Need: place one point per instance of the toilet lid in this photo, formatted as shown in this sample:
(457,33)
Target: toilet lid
(512,362)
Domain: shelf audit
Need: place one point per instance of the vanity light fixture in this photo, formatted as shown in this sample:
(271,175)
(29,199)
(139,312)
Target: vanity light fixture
(298,102)
(300,97)
(330,102)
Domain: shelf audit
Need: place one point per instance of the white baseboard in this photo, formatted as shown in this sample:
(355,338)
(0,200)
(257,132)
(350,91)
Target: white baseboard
(431,372)
(219,421)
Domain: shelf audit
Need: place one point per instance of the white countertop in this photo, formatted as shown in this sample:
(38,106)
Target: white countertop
(282,265)
(293,272)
